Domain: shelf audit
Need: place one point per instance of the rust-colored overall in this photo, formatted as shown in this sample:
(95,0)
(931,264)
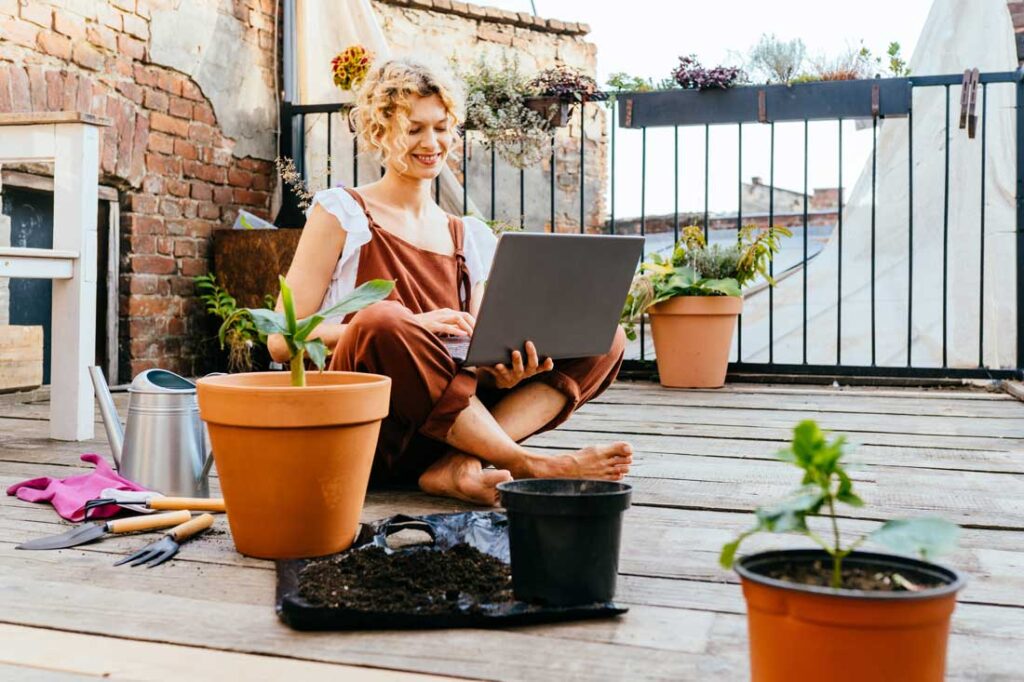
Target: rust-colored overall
(429,389)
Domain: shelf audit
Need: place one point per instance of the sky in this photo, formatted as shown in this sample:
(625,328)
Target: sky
(646,37)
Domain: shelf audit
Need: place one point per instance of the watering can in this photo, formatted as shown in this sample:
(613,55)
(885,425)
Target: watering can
(163,446)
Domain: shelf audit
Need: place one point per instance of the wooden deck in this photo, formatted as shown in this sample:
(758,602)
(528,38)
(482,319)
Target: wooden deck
(704,461)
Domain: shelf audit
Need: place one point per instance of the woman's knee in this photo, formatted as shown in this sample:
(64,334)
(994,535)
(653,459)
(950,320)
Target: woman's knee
(379,319)
(618,348)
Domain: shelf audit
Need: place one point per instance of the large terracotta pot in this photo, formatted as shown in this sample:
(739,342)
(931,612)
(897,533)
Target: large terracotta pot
(692,339)
(293,463)
(803,632)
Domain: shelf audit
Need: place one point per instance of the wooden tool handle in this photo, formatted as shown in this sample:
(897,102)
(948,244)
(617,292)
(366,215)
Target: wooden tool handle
(212,504)
(190,528)
(149,522)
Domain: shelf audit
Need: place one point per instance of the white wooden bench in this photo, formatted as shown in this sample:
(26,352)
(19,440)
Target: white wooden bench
(71,141)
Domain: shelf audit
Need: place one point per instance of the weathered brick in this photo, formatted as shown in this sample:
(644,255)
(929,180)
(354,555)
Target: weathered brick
(266,40)
(54,90)
(126,5)
(134,223)
(130,90)
(165,245)
(201,191)
(108,16)
(240,10)
(70,94)
(143,244)
(9,7)
(140,139)
(221,157)
(194,266)
(5,90)
(167,124)
(198,229)
(212,174)
(189,208)
(164,165)
(101,36)
(141,203)
(153,184)
(245,196)
(203,113)
(156,100)
(142,284)
(136,49)
(209,211)
(37,87)
(178,188)
(125,122)
(150,306)
(199,133)
(170,82)
(180,107)
(184,247)
(170,208)
(255,165)
(136,26)
(18,31)
(222,195)
(87,56)
(69,24)
(493,35)
(261,182)
(147,75)
(55,45)
(191,91)
(185,150)
(37,13)
(239,178)
(160,142)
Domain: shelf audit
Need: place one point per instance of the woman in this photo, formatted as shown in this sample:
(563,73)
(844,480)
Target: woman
(445,422)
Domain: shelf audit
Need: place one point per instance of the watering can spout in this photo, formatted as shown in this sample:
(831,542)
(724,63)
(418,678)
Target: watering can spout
(111,420)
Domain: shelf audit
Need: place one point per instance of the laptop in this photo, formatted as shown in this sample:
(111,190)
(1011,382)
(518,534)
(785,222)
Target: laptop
(564,292)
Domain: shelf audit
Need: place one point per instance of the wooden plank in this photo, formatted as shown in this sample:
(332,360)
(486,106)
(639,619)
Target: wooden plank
(585,420)
(739,448)
(57,651)
(846,422)
(38,117)
(988,392)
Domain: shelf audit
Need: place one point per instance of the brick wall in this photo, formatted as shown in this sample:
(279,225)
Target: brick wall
(176,173)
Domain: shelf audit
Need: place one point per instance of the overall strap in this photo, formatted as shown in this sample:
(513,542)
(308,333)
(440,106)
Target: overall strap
(362,204)
(458,232)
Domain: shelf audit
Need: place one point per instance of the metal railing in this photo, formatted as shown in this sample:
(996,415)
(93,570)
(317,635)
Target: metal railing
(296,123)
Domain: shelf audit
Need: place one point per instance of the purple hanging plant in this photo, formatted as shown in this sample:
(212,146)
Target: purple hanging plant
(692,76)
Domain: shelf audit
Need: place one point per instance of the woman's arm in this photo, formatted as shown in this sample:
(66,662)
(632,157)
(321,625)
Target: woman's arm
(309,276)
(476,297)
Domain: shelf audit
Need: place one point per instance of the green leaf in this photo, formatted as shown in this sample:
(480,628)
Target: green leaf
(845,493)
(317,352)
(925,536)
(307,325)
(789,515)
(807,438)
(727,287)
(268,321)
(728,554)
(289,305)
(364,295)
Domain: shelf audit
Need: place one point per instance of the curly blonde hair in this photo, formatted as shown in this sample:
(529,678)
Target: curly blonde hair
(381,113)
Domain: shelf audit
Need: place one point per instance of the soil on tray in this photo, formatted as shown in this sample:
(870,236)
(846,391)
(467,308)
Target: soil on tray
(427,581)
(819,573)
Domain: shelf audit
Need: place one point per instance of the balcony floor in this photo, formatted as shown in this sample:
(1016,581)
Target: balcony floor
(704,461)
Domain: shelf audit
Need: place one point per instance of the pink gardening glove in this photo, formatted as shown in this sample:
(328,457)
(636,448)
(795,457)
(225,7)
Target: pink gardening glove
(69,495)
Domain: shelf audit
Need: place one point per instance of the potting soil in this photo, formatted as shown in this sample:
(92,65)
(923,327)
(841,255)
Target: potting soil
(819,573)
(426,581)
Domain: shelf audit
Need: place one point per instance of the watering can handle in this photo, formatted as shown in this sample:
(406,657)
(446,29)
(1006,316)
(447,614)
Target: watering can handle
(207,447)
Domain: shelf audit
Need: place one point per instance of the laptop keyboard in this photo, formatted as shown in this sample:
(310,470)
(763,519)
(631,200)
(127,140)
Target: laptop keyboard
(458,346)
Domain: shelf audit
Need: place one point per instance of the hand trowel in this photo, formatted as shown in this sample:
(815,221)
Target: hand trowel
(92,531)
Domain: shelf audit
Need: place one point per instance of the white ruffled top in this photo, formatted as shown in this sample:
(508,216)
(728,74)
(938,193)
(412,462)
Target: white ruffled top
(478,248)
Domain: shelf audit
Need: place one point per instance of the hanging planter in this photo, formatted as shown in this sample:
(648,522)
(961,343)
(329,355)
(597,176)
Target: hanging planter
(554,110)
(821,100)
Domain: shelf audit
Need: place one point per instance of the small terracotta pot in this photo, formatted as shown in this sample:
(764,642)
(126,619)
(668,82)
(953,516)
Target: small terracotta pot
(802,632)
(293,463)
(692,339)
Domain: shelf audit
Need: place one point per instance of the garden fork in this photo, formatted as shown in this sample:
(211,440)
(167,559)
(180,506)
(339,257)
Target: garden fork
(155,553)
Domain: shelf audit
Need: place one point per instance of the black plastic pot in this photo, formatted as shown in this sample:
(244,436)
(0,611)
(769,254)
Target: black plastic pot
(564,538)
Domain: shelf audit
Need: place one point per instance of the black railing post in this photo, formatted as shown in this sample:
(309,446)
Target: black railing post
(289,215)
(1020,220)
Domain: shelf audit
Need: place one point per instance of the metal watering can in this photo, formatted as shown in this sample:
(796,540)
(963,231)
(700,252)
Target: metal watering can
(163,446)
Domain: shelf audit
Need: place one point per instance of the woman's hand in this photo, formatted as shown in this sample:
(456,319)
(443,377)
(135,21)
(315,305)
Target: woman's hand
(447,321)
(509,377)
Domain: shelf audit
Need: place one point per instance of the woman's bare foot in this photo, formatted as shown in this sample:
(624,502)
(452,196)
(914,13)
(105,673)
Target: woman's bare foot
(463,477)
(609,462)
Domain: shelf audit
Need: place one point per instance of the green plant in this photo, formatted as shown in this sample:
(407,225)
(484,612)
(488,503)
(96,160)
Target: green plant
(620,81)
(826,484)
(566,83)
(696,269)
(499,227)
(237,331)
(496,108)
(296,332)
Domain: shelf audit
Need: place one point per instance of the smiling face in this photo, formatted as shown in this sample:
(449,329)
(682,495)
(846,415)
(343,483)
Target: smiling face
(427,139)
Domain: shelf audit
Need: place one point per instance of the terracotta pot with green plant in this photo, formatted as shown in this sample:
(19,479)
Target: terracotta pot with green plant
(835,611)
(294,452)
(693,300)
